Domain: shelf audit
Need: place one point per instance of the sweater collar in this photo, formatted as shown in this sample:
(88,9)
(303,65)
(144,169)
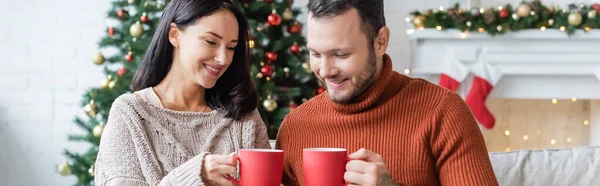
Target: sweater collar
(382,89)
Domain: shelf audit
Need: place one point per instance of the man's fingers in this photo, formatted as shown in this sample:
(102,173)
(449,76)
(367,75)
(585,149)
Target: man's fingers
(354,178)
(358,166)
(367,155)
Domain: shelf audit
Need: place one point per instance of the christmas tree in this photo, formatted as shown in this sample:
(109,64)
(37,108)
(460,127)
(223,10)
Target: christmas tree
(280,68)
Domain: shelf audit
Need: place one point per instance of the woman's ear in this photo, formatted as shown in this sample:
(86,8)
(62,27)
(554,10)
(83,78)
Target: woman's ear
(174,35)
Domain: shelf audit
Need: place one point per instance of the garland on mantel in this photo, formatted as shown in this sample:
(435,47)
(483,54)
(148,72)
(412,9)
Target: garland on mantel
(502,19)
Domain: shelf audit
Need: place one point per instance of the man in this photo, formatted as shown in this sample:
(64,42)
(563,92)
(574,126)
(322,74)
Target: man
(403,131)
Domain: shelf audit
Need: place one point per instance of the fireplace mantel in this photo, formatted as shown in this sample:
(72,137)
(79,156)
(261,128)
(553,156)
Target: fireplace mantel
(535,64)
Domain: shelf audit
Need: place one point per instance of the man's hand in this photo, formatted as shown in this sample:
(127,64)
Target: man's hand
(367,168)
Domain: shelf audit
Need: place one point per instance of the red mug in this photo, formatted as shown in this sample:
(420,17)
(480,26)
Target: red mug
(259,167)
(324,166)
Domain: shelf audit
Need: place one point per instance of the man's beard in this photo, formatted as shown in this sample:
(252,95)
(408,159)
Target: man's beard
(362,83)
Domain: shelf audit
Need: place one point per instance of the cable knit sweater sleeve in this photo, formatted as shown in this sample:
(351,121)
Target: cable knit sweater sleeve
(125,159)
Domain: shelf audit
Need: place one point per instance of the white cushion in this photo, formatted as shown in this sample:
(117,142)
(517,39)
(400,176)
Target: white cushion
(572,166)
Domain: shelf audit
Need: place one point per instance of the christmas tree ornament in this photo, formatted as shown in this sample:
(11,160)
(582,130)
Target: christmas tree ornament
(287,14)
(111,31)
(64,169)
(523,10)
(121,13)
(267,70)
(159,4)
(122,72)
(104,83)
(292,105)
(98,58)
(295,49)
(144,18)
(419,21)
(504,13)
(286,69)
(259,75)
(131,1)
(295,28)
(274,19)
(596,7)
(98,130)
(574,18)
(112,83)
(320,90)
(259,28)
(270,104)
(90,109)
(92,170)
(306,67)
(269,1)
(550,22)
(515,17)
(251,43)
(592,14)
(468,23)
(129,57)
(271,56)
(136,29)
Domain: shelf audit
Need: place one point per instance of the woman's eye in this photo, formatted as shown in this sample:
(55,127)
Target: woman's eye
(211,42)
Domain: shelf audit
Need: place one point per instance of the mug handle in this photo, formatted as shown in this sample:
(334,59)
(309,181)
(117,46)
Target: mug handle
(237,182)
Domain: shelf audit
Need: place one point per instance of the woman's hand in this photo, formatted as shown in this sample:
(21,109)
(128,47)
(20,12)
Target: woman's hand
(215,167)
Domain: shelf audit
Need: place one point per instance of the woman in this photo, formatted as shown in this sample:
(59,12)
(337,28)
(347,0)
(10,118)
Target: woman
(194,103)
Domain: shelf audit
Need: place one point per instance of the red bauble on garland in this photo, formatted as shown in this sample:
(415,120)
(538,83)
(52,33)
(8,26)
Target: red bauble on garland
(144,18)
(596,7)
(121,13)
(269,1)
(503,13)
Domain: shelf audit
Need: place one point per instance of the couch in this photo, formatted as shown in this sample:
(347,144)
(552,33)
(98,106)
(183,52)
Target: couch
(548,167)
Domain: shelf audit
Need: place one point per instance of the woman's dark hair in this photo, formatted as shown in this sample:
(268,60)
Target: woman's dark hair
(234,92)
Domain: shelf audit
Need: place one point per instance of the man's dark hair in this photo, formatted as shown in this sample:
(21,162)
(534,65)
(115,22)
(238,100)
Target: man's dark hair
(370,12)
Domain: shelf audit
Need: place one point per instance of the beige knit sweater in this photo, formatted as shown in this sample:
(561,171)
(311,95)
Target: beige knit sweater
(146,144)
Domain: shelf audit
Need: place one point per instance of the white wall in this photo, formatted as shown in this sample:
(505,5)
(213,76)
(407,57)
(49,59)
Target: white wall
(45,68)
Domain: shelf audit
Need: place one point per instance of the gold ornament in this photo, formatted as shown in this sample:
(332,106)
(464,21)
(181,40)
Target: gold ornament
(104,83)
(136,29)
(112,83)
(98,58)
(98,130)
(159,4)
(270,104)
(306,67)
(251,43)
(575,19)
(523,10)
(287,14)
(419,21)
(259,75)
(90,109)
(592,14)
(92,170)
(131,1)
(64,169)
